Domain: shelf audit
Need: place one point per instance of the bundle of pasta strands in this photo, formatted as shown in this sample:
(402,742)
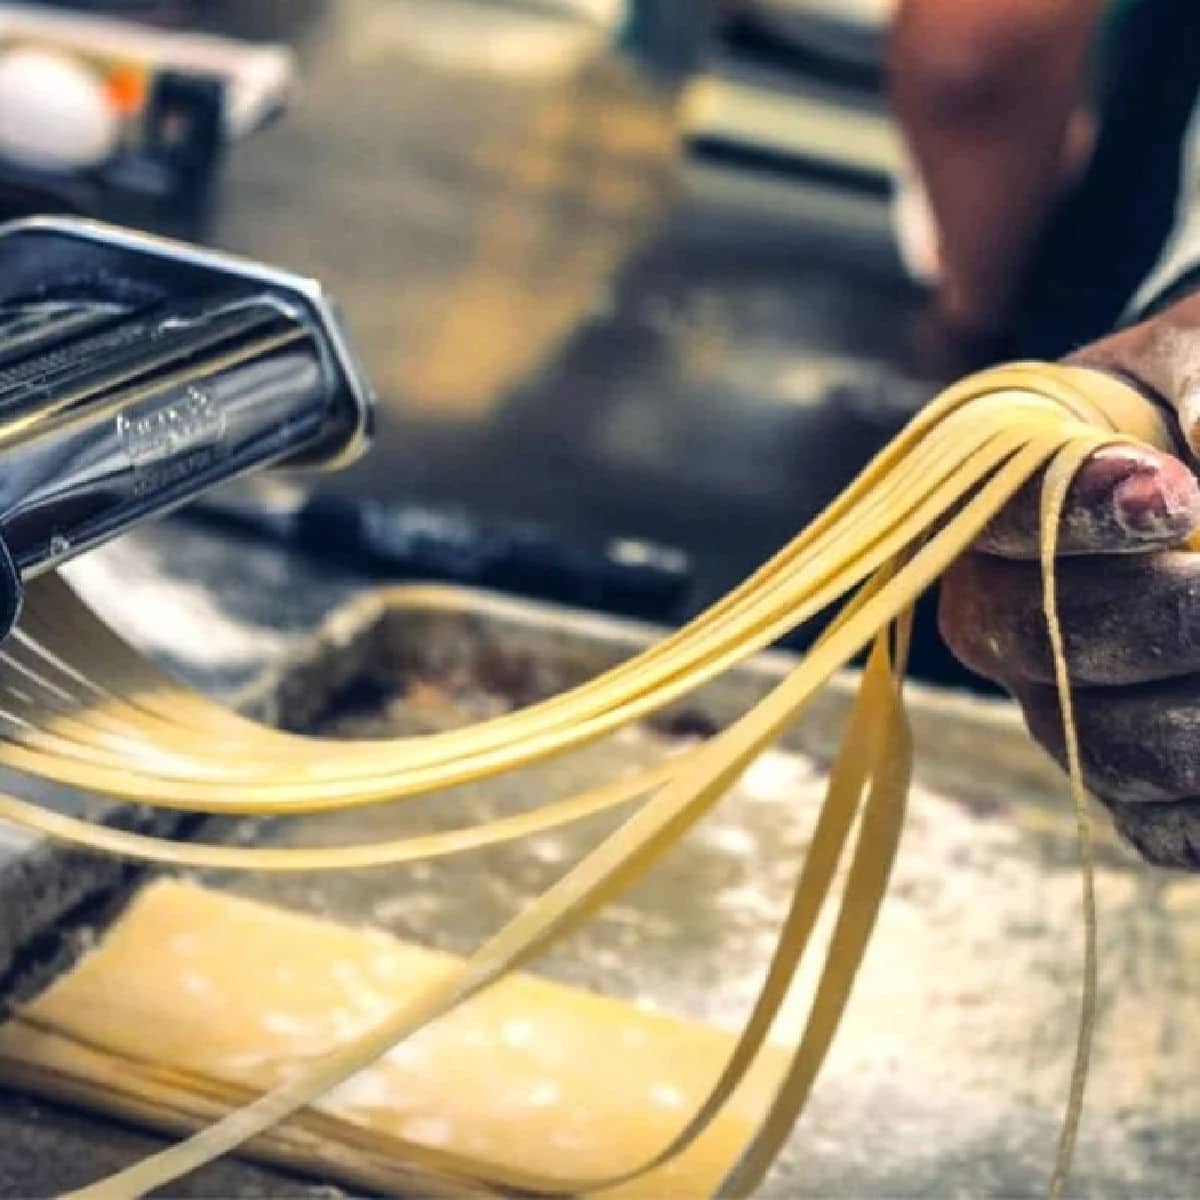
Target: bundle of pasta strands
(81,708)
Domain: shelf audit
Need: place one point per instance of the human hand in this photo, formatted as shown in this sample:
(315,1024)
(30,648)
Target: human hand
(1128,598)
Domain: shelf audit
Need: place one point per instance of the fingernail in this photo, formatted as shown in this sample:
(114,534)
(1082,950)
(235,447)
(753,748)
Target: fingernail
(1096,487)
(1156,497)
(1110,465)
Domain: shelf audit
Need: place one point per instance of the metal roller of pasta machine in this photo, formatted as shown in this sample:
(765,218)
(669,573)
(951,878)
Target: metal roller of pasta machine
(137,373)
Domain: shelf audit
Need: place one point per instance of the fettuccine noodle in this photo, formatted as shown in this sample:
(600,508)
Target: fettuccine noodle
(80,707)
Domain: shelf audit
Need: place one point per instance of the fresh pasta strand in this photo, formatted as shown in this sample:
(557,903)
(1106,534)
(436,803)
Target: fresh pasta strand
(79,706)
(995,434)
(1054,492)
(149,781)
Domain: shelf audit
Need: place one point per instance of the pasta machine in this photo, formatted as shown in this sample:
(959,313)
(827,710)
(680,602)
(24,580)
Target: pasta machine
(137,372)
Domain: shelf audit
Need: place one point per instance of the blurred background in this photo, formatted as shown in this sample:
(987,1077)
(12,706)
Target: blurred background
(625,273)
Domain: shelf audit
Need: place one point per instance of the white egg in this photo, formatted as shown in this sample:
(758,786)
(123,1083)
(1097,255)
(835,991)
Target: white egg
(54,113)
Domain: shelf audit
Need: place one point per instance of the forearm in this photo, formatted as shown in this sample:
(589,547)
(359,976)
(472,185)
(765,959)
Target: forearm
(985,93)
